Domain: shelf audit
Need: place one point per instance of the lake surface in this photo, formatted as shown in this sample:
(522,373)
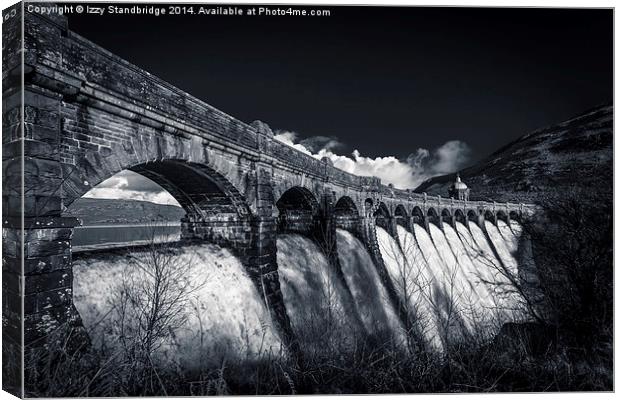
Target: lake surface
(96,237)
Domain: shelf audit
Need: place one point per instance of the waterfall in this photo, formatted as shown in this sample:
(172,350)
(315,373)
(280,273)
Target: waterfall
(315,298)
(448,281)
(511,239)
(503,249)
(371,299)
(475,296)
(460,285)
(419,278)
(223,315)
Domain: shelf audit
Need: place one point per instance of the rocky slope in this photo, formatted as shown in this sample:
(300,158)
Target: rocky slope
(108,211)
(577,153)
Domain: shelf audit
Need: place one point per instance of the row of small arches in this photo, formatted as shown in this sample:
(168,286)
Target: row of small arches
(303,200)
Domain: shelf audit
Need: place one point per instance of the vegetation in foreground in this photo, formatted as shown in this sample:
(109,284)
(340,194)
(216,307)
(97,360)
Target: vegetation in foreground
(567,346)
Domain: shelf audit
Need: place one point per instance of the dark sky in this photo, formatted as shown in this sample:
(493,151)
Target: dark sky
(383,80)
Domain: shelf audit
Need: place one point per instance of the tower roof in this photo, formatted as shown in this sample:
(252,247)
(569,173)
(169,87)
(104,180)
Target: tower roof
(458,184)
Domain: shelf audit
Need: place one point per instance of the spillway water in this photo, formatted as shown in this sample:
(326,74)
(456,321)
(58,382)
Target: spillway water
(463,281)
(448,281)
(371,299)
(316,299)
(516,228)
(222,314)
(503,249)
(414,283)
(511,239)
(475,297)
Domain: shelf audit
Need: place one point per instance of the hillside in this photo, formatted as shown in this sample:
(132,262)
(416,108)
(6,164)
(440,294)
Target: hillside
(577,153)
(108,211)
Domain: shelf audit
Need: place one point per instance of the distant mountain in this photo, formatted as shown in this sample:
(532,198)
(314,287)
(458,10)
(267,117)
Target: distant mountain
(575,153)
(107,211)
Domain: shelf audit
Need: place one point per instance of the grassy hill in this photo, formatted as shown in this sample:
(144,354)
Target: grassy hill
(577,153)
(108,211)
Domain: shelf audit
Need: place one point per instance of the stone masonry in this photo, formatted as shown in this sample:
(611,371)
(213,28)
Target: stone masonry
(87,115)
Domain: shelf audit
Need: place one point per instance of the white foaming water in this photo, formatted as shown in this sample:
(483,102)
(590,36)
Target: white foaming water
(418,280)
(516,228)
(371,299)
(225,316)
(426,245)
(475,296)
(438,299)
(510,239)
(454,275)
(315,298)
(502,248)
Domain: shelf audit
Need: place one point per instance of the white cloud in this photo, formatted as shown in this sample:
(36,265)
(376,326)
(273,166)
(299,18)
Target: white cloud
(410,173)
(128,185)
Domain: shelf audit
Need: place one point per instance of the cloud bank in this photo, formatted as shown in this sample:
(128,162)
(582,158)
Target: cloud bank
(403,174)
(128,185)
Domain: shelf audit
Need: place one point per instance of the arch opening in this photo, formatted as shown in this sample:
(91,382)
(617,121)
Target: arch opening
(159,201)
(459,216)
(502,216)
(346,214)
(197,203)
(418,216)
(433,216)
(298,209)
(446,216)
(368,204)
(382,216)
(490,216)
(472,216)
(400,214)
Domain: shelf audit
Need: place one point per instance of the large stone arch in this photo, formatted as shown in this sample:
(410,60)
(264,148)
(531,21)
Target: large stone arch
(219,194)
(346,214)
(145,153)
(298,209)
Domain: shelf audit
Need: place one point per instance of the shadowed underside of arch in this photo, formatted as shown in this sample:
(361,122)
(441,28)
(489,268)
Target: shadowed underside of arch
(459,216)
(297,208)
(418,216)
(346,214)
(400,216)
(200,190)
(382,217)
(433,216)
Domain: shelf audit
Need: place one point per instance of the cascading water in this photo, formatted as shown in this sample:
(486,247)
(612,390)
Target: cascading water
(224,315)
(475,296)
(221,316)
(315,298)
(455,281)
(414,281)
(510,238)
(441,299)
(369,294)
(516,228)
(464,285)
(503,249)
